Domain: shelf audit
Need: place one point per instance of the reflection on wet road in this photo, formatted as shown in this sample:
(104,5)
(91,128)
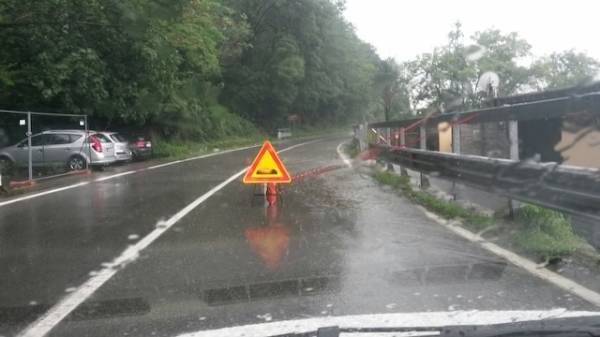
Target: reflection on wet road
(335,244)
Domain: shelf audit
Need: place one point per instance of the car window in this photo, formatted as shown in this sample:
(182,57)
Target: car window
(118,138)
(74,138)
(38,140)
(57,139)
(103,138)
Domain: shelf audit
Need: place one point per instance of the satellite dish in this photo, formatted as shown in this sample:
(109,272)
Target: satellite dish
(488,84)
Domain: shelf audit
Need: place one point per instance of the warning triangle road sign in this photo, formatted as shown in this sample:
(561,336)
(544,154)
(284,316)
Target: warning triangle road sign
(267,168)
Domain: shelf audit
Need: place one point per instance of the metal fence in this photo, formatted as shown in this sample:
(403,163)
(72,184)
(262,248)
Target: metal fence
(26,156)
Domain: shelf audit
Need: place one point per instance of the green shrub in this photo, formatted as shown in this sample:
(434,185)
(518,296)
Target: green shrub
(212,127)
(545,232)
(390,179)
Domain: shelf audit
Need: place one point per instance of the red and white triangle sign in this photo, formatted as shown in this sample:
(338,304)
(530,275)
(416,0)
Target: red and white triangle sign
(267,168)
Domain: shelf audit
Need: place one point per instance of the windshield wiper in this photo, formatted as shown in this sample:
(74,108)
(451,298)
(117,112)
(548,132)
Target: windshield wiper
(335,331)
(556,328)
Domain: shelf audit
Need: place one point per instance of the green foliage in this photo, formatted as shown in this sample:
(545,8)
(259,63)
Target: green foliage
(445,208)
(545,232)
(165,65)
(448,77)
(178,149)
(565,69)
(305,59)
(144,62)
(390,179)
(393,89)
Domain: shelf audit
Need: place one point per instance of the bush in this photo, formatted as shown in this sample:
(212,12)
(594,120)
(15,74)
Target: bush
(545,232)
(216,127)
(390,179)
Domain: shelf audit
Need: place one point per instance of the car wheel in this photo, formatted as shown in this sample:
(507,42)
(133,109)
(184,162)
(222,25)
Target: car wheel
(76,163)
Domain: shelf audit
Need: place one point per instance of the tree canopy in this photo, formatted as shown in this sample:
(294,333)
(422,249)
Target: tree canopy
(449,77)
(174,65)
(198,69)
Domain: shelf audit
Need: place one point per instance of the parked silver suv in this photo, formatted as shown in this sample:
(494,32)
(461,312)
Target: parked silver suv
(69,147)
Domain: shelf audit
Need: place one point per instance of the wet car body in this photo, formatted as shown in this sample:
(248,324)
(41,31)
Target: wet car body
(141,148)
(122,150)
(73,148)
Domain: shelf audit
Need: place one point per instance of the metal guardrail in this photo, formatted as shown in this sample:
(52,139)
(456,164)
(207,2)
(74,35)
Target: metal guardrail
(570,189)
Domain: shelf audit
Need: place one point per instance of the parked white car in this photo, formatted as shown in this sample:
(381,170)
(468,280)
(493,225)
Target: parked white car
(122,150)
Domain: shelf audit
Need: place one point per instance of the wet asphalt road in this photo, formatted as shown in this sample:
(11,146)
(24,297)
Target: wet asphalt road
(336,244)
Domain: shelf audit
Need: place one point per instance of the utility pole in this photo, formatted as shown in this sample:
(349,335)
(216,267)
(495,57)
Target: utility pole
(29,154)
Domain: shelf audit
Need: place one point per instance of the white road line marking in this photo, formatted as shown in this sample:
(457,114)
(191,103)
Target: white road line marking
(36,195)
(298,145)
(70,302)
(117,175)
(12,201)
(519,261)
(343,155)
(397,320)
(201,157)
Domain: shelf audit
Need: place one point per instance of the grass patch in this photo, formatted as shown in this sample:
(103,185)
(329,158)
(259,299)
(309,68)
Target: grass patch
(445,208)
(545,232)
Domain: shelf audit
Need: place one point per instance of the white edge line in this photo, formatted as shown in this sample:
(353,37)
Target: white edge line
(70,302)
(12,201)
(524,263)
(342,155)
(60,189)
(201,157)
(395,320)
(116,175)
(298,145)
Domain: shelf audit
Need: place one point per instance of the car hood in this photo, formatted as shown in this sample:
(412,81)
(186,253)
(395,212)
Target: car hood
(396,320)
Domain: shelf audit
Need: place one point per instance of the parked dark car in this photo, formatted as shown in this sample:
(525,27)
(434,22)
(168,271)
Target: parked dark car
(141,147)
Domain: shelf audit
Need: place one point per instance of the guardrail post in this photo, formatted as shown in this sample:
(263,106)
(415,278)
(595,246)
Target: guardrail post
(363,140)
(402,137)
(455,149)
(388,135)
(513,137)
(423,138)
(403,171)
(456,138)
(29,154)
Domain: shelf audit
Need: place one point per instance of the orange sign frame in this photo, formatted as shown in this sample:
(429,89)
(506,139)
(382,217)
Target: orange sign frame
(281,174)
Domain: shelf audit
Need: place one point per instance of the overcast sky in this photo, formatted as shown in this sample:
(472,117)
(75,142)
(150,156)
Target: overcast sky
(404,29)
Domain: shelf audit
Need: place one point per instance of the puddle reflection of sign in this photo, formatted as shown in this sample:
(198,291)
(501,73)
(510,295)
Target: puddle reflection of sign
(267,168)
(269,243)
